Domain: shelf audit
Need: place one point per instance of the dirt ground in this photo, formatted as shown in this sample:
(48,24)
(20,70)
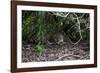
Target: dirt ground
(56,53)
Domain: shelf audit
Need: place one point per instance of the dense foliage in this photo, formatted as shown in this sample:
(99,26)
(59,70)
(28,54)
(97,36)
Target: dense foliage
(38,26)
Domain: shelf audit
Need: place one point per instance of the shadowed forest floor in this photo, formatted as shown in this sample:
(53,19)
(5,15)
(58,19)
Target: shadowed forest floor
(56,53)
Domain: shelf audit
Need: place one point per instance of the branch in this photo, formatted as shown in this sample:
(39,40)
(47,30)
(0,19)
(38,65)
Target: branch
(80,16)
(78,28)
(58,14)
(66,55)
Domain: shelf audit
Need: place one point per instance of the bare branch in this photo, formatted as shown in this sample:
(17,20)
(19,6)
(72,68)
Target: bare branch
(59,14)
(78,27)
(66,55)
